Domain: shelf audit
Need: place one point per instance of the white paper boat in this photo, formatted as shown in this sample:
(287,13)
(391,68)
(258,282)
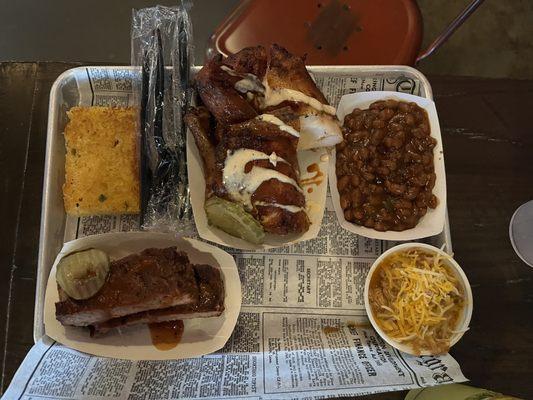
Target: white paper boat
(200,336)
(313,163)
(430,224)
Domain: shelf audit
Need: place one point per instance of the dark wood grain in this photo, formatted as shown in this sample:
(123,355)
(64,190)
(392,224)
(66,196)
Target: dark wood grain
(488,142)
(23,119)
(17,82)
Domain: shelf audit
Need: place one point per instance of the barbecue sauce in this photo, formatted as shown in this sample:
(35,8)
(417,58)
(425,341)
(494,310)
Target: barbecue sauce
(166,335)
(316,179)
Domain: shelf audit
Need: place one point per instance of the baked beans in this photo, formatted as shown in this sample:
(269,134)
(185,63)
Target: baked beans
(385,171)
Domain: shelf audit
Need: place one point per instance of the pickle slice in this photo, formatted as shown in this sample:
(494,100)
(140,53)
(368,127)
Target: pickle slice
(233,219)
(82,274)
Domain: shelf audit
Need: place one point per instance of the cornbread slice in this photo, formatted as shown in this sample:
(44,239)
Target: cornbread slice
(102,162)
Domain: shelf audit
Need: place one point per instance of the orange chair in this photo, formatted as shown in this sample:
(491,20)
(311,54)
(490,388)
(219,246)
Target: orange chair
(333,32)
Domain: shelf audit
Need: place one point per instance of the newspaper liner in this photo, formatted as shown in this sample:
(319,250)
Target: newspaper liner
(315,199)
(430,224)
(268,355)
(200,336)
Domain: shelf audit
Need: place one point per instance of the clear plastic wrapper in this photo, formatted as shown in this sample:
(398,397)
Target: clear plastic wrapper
(161,44)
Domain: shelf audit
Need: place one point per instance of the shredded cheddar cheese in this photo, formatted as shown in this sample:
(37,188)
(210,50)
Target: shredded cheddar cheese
(417,300)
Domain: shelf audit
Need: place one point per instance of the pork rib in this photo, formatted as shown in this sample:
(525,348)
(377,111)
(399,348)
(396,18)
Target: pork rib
(150,280)
(210,304)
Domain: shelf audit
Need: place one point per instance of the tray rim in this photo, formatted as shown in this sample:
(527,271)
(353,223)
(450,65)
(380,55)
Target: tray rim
(53,110)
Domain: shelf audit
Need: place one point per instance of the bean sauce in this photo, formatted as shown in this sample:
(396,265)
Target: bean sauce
(385,171)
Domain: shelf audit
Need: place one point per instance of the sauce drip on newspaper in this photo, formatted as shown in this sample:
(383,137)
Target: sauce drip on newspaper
(166,335)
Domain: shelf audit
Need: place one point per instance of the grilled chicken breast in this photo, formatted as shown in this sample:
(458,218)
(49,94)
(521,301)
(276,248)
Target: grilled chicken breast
(260,102)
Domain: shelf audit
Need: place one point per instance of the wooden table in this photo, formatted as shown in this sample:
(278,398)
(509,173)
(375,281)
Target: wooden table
(487,127)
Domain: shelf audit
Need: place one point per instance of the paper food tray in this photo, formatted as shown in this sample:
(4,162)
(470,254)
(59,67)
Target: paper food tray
(200,335)
(315,199)
(430,224)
